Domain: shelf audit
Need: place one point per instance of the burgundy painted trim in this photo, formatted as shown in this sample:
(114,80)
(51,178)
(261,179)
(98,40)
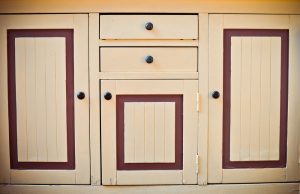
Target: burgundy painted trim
(11,36)
(284,34)
(178,99)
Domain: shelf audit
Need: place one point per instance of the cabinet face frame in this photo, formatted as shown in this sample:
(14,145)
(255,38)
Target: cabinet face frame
(216,173)
(81,172)
(110,174)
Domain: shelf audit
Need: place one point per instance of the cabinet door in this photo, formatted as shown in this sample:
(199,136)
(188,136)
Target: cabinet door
(254,130)
(44,129)
(149,132)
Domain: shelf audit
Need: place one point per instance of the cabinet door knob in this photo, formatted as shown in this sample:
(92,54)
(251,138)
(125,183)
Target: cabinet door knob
(80,95)
(215,94)
(149,59)
(149,26)
(107,96)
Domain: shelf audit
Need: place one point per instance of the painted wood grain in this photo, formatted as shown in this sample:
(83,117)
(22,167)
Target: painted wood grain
(117,27)
(132,59)
(255,97)
(42,116)
(155,133)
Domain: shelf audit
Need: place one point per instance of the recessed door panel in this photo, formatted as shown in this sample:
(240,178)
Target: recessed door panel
(145,133)
(250,124)
(47,144)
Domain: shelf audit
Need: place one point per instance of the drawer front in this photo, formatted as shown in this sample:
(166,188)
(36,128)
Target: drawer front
(133,59)
(134,27)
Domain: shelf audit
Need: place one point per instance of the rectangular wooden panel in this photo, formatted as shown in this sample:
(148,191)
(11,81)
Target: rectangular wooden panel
(165,125)
(258,66)
(133,27)
(255,113)
(141,121)
(132,59)
(45,92)
(39,59)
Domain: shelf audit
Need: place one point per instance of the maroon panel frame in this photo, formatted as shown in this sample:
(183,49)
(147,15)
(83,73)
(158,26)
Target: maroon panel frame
(284,35)
(178,164)
(12,34)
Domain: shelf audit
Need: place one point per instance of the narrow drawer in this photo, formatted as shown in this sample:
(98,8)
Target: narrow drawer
(138,59)
(135,26)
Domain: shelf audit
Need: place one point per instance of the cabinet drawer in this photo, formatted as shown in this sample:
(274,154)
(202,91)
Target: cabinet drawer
(134,59)
(134,27)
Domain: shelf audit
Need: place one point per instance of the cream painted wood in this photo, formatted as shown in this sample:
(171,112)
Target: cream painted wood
(255,93)
(81,83)
(156,177)
(293,170)
(81,174)
(118,87)
(147,75)
(150,132)
(94,99)
(157,43)
(254,176)
(44,133)
(250,21)
(4,134)
(141,121)
(215,172)
(21,103)
(190,130)
(203,99)
(215,105)
(255,100)
(108,134)
(271,188)
(133,27)
(130,59)
(41,101)
(154,6)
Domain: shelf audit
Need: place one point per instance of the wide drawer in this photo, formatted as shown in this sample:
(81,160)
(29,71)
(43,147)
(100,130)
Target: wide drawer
(134,59)
(134,26)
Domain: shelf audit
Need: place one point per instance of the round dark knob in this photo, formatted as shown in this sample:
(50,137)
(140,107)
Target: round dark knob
(149,59)
(215,94)
(80,95)
(149,26)
(107,96)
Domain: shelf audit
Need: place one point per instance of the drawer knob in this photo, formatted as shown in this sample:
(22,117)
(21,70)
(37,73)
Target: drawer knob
(149,59)
(149,26)
(107,96)
(80,95)
(215,94)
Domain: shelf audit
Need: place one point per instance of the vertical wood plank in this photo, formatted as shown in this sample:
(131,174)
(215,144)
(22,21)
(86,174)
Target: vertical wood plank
(61,112)
(81,83)
(149,132)
(255,98)
(215,106)
(169,131)
(265,100)
(190,120)
(41,99)
(108,133)
(129,130)
(94,85)
(21,98)
(245,99)
(203,98)
(139,133)
(50,101)
(159,132)
(31,99)
(275,71)
(293,136)
(235,109)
